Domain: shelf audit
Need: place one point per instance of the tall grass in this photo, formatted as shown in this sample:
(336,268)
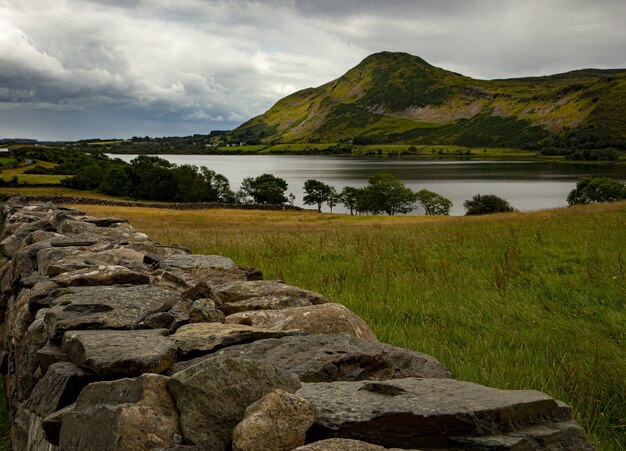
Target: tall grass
(516,301)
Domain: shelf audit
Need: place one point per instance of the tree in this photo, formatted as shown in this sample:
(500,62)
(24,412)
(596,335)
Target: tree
(117,181)
(385,193)
(316,193)
(591,190)
(349,197)
(433,203)
(484,204)
(332,199)
(264,189)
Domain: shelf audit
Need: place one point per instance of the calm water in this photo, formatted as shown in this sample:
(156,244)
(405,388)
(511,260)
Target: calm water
(526,185)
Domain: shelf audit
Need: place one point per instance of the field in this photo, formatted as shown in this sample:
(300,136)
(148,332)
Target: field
(32,179)
(516,301)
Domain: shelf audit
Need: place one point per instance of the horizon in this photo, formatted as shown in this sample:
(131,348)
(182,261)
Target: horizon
(102,70)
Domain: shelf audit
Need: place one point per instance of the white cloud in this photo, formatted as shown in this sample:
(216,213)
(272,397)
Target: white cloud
(167,66)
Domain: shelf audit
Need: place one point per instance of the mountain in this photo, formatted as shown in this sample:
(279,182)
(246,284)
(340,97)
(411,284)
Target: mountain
(397,97)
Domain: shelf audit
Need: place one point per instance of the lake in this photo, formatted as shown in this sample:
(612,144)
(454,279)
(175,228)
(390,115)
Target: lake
(527,185)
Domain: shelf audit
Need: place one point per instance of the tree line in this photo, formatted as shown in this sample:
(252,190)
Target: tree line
(154,178)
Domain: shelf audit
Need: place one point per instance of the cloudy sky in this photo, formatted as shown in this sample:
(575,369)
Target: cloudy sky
(73,69)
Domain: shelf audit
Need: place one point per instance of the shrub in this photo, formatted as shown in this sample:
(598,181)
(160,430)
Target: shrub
(592,190)
(484,204)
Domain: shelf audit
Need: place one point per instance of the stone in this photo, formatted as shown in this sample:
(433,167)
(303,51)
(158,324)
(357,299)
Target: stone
(212,396)
(57,260)
(79,240)
(27,432)
(10,245)
(195,261)
(26,362)
(32,280)
(202,338)
(237,291)
(122,232)
(315,319)
(435,413)
(170,319)
(25,260)
(120,352)
(102,275)
(6,284)
(106,307)
(205,310)
(42,290)
(58,388)
(41,235)
(278,421)
(340,357)
(170,280)
(72,227)
(265,303)
(104,222)
(342,444)
(159,250)
(122,415)
(201,291)
(49,355)
(53,255)
(218,276)
(51,424)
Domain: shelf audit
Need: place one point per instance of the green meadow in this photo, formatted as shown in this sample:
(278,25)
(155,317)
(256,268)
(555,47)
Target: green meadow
(516,301)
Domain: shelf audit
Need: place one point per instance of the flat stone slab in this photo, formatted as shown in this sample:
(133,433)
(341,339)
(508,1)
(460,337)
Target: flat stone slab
(102,275)
(240,290)
(104,222)
(218,276)
(327,318)
(106,307)
(81,239)
(203,338)
(193,262)
(264,303)
(427,413)
(340,357)
(120,352)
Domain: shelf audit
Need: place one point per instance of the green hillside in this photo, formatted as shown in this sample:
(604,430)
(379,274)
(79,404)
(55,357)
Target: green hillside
(400,98)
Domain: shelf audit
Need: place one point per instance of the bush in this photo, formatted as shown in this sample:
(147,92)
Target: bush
(592,190)
(39,170)
(433,203)
(484,204)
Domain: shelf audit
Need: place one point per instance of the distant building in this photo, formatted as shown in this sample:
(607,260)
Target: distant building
(4,152)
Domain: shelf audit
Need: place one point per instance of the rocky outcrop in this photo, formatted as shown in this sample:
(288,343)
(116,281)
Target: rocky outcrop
(113,341)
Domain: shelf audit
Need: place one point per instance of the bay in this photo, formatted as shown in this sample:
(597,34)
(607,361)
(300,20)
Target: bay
(527,185)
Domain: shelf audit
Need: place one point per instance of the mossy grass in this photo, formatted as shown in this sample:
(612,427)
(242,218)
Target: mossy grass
(517,301)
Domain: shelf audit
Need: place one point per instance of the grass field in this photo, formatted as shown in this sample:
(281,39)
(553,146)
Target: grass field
(516,301)
(32,179)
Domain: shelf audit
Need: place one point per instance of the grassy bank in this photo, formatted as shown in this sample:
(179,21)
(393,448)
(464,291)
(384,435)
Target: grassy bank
(415,150)
(518,301)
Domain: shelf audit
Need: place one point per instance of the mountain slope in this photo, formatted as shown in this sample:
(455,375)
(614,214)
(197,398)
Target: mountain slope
(397,97)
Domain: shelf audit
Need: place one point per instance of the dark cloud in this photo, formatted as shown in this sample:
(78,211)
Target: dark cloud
(124,68)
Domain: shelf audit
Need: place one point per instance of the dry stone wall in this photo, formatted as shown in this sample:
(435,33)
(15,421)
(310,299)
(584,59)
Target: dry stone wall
(115,342)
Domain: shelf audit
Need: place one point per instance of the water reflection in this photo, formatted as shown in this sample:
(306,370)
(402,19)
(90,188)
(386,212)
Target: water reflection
(526,185)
